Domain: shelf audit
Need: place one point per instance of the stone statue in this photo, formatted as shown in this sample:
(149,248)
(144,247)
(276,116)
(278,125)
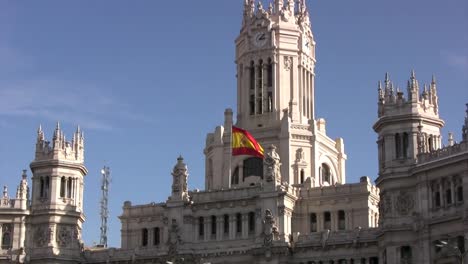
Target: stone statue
(270,231)
(325,237)
(272,165)
(174,238)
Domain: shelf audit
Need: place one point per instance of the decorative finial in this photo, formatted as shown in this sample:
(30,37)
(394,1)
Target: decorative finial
(39,129)
(387,77)
(5,191)
(413,75)
(24,175)
(433,79)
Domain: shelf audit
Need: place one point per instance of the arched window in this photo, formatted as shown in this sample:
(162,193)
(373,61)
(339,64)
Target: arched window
(252,76)
(62,187)
(144,237)
(226,224)
(260,87)
(201,226)
(47,186)
(252,104)
(42,187)
(430,143)
(238,223)
(302,176)
(251,222)
(235,176)
(405,145)
(270,73)
(253,167)
(327,220)
(69,187)
(313,222)
(398,145)
(157,236)
(326,174)
(213,225)
(341,220)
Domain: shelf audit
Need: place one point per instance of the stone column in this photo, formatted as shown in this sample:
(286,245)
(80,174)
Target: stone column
(219,226)
(207,229)
(441,196)
(452,192)
(334,220)
(245,225)
(232,226)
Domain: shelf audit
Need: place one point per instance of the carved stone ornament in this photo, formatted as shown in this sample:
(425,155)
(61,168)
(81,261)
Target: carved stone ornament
(404,203)
(64,236)
(387,204)
(42,235)
(287,63)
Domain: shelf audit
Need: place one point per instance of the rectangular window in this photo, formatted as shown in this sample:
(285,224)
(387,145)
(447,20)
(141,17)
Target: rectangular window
(213,225)
(313,222)
(251,222)
(144,237)
(448,196)
(460,194)
(226,224)
(437,199)
(238,223)
(157,236)
(341,220)
(201,226)
(327,220)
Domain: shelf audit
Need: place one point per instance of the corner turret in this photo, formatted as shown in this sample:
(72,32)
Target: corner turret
(56,211)
(406,127)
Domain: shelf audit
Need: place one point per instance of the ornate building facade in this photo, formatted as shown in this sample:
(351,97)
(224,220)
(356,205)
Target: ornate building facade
(293,206)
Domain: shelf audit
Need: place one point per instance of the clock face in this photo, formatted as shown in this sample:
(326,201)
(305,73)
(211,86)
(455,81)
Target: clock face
(306,44)
(260,39)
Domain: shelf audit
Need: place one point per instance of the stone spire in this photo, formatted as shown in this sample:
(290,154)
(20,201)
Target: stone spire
(413,88)
(22,192)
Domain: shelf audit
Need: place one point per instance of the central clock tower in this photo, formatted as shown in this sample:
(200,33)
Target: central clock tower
(275,59)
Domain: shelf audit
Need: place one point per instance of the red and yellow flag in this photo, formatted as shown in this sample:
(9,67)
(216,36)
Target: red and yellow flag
(244,144)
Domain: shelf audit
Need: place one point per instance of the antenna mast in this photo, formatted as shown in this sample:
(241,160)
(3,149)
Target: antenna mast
(105,172)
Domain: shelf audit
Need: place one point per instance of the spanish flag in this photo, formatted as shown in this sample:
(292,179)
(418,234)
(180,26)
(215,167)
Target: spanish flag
(244,144)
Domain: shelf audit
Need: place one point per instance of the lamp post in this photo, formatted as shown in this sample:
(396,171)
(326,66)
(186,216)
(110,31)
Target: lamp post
(452,246)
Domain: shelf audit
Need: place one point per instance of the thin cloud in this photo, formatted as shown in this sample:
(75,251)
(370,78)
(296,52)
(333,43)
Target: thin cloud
(66,101)
(458,61)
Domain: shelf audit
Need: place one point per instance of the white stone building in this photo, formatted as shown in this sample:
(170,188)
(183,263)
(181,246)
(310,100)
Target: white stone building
(293,206)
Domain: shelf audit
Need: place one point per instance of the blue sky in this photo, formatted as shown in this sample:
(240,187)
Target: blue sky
(147,80)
